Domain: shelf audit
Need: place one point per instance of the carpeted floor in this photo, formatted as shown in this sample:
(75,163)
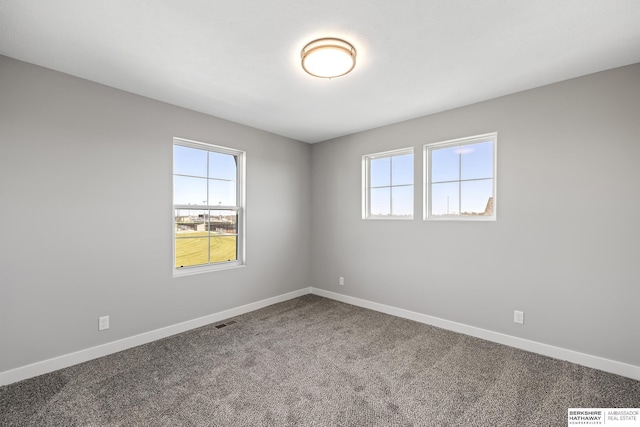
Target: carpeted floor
(312,361)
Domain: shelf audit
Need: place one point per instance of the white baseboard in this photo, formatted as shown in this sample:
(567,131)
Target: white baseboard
(607,365)
(64,361)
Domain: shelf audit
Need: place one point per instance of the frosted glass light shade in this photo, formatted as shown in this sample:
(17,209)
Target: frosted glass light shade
(328,58)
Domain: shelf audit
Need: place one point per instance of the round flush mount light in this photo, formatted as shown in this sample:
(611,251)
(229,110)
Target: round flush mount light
(328,58)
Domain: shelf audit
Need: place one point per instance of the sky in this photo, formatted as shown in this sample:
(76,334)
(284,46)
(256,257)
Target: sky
(472,162)
(461,180)
(461,177)
(386,173)
(210,180)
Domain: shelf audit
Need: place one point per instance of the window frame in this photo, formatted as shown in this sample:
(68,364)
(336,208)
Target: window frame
(239,208)
(427,166)
(366,188)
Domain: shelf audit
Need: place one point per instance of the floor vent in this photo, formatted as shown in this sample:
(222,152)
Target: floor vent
(222,325)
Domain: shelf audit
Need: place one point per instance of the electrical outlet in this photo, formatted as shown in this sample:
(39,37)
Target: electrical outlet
(341,281)
(518,317)
(103,323)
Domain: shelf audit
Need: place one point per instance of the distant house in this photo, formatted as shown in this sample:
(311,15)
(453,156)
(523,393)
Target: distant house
(488,210)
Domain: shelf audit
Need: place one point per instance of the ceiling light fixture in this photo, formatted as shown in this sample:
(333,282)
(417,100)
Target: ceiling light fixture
(328,58)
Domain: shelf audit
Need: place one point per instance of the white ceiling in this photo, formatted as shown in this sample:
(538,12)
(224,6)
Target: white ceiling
(240,59)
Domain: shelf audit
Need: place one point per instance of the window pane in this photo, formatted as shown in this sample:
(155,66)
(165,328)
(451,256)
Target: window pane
(402,200)
(192,250)
(222,193)
(444,199)
(190,221)
(189,161)
(223,248)
(222,166)
(402,170)
(445,164)
(223,222)
(203,179)
(189,191)
(477,160)
(380,201)
(380,170)
(204,236)
(477,197)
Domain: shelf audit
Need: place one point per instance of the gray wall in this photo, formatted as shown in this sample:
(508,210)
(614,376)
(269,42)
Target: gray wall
(85,203)
(565,248)
(85,191)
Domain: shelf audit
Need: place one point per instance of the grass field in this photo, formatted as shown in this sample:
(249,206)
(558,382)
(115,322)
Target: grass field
(191,248)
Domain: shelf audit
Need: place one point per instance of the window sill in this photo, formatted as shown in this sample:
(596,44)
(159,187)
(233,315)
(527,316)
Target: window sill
(470,218)
(389,218)
(190,271)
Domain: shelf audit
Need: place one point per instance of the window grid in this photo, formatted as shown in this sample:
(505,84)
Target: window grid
(229,217)
(368,187)
(428,182)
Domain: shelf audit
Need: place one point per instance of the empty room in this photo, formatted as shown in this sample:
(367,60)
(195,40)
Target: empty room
(319,213)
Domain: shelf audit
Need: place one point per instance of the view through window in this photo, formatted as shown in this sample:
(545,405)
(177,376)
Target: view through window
(388,189)
(460,178)
(207,210)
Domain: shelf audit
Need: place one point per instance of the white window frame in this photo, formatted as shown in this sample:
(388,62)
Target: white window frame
(428,148)
(366,189)
(239,208)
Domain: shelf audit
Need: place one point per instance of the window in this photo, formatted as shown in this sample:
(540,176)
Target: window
(388,185)
(207,203)
(460,179)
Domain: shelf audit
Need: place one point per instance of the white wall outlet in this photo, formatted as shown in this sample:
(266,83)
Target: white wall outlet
(103,323)
(518,317)
(341,281)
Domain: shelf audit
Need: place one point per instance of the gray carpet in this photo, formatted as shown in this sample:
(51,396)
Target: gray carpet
(312,361)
